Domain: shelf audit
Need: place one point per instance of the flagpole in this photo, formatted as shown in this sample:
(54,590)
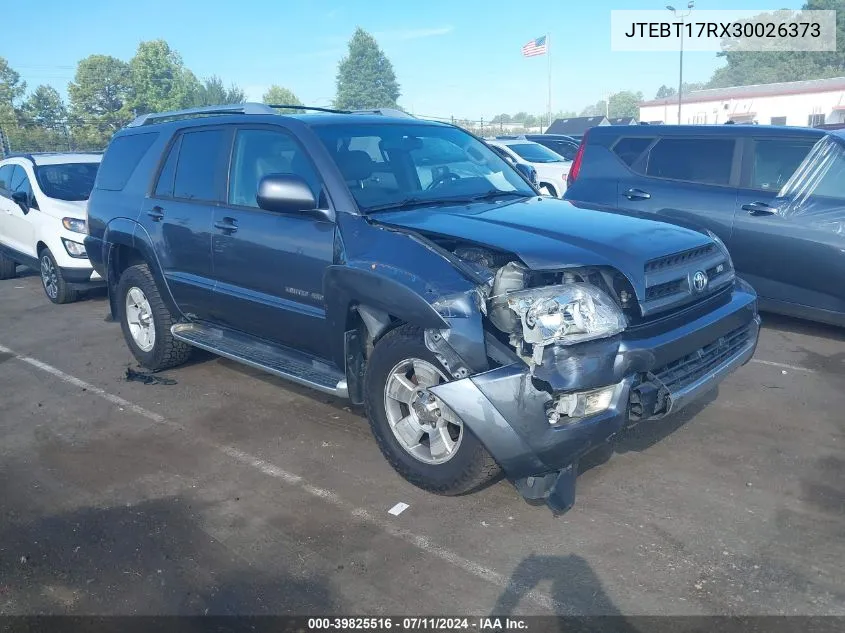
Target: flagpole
(549,55)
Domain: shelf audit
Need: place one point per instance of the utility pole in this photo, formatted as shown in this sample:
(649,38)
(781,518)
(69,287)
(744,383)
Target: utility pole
(690,6)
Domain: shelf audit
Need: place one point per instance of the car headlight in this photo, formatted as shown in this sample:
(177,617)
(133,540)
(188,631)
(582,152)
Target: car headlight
(75,224)
(566,314)
(721,245)
(74,249)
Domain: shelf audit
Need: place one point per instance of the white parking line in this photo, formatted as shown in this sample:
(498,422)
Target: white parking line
(772,363)
(420,542)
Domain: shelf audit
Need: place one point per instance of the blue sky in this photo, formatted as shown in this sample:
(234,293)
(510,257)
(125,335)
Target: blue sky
(457,57)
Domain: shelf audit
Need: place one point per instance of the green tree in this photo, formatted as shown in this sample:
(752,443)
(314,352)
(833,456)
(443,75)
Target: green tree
(365,77)
(213,92)
(45,107)
(278,95)
(597,109)
(501,118)
(12,89)
(519,117)
(625,104)
(159,79)
(665,92)
(98,95)
(754,67)
(43,122)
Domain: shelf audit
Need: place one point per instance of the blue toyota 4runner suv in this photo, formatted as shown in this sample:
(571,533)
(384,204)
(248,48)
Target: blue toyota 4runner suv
(402,264)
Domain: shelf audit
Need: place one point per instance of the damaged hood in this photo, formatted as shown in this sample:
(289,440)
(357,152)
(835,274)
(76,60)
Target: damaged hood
(550,234)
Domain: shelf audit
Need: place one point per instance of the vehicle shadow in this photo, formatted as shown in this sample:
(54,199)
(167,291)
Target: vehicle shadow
(575,590)
(793,325)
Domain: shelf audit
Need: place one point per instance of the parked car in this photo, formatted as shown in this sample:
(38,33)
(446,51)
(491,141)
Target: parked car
(526,168)
(42,220)
(721,177)
(552,168)
(806,224)
(560,144)
(483,327)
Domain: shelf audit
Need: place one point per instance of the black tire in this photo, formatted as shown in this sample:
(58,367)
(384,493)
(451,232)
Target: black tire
(469,469)
(166,351)
(8,268)
(56,289)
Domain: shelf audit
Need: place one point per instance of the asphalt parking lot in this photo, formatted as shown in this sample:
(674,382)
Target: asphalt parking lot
(232,492)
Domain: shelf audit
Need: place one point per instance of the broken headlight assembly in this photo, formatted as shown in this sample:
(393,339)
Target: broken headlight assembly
(560,315)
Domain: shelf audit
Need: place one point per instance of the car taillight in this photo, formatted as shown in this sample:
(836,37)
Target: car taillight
(576,163)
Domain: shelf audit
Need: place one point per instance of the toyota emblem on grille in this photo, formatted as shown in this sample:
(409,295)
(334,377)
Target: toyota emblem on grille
(699,281)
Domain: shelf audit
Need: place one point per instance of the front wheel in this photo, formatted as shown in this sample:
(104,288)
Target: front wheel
(421,437)
(145,320)
(52,280)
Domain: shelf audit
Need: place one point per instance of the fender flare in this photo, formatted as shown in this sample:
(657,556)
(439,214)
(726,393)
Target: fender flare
(129,233)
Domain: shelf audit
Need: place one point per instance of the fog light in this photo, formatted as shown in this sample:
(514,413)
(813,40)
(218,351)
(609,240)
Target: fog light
(569,407)
(74,249)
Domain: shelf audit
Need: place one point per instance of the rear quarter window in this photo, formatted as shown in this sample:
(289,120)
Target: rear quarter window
(629,149)
(121,158)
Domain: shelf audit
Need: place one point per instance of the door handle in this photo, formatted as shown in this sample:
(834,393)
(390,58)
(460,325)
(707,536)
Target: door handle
(637,194)
(156,213)
(227,225)
(759,208)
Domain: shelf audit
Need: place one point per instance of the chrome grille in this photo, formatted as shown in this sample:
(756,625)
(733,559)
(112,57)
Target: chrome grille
(669,279)
(688,369)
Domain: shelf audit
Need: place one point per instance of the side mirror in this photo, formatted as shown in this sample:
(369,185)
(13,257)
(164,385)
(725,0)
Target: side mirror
(285,193)
(22,200)
(528,172)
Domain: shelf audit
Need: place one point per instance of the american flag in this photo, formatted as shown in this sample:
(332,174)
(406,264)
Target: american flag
(535,47)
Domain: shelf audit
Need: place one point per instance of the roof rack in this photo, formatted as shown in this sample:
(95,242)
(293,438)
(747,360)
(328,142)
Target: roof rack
(30,156)
(253,108)
(240,108)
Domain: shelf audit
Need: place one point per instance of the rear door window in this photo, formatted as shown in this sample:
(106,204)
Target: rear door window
(703,160)
(631,148)
(774,160)
(198,173)
(164,187)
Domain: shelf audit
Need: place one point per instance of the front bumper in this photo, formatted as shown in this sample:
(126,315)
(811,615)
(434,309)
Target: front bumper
(656,372)
(82,278)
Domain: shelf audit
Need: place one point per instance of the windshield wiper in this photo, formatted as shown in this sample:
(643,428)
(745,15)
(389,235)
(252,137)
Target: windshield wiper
(415,201)
(498,193)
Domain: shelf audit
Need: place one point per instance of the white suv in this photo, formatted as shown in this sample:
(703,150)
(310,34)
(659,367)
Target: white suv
(43,220)
(552,168)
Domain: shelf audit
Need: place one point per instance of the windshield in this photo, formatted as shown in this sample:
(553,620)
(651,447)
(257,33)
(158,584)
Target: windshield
(67,181)
(394,165)
(535,153)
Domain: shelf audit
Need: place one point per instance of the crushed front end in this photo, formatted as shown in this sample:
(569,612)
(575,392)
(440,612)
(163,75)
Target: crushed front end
(575,355)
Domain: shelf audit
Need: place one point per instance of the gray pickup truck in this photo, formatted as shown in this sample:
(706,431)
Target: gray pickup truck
(402,264)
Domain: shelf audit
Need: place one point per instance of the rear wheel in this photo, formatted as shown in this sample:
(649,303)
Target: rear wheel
(8,268)
(421,437)
(52,280)
(146,320)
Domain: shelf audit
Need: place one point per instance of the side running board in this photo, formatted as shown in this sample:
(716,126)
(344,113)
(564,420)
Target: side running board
(275,359)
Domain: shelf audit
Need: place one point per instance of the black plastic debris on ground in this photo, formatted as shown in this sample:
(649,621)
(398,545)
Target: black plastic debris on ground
(147,378)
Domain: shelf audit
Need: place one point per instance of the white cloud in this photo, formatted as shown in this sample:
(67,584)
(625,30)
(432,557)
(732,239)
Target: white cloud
(402,35)
(331,15)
